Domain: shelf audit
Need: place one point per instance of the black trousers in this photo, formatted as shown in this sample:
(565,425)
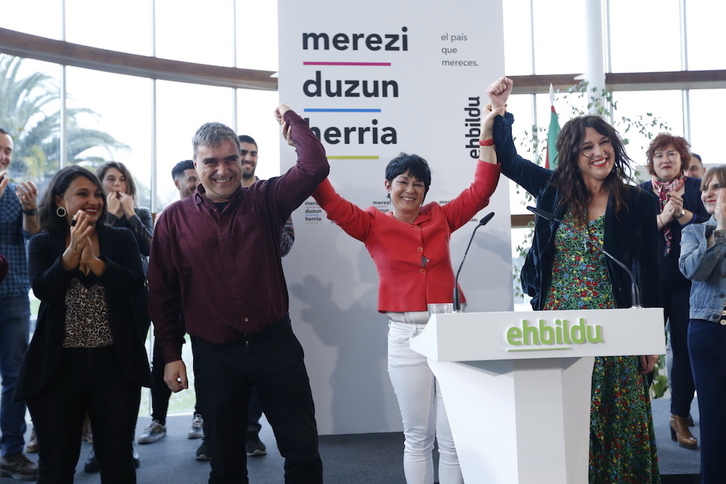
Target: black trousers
(160,392)
(676,307)
(254,412)
(271,361)
(87,379)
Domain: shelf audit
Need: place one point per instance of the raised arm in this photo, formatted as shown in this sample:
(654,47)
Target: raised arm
(355,221)
(530,176)
(499,92)
(312,163)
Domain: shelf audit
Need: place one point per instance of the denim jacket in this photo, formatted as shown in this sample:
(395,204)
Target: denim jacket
(706,267)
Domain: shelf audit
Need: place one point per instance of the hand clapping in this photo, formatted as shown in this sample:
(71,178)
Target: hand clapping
(80,252)
(673,208)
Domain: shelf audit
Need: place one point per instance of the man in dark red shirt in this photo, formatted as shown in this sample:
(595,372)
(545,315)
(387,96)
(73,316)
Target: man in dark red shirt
(215,258)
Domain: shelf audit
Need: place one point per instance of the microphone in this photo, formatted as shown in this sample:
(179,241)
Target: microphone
(634,291)
(485,220)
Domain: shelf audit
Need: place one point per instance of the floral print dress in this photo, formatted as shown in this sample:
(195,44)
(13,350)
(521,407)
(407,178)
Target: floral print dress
(622,440)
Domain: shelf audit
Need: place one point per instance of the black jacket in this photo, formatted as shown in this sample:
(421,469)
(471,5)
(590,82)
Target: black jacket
(630,235)
(122,279)
(669,270)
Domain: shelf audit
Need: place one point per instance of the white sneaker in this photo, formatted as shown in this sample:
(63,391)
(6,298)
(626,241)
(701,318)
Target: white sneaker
(152,433)
(196,431)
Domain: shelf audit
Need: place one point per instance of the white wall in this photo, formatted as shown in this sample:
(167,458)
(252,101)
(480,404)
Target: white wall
(332,280)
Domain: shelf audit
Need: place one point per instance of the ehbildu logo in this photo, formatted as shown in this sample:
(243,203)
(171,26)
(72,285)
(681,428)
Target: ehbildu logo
(543,336)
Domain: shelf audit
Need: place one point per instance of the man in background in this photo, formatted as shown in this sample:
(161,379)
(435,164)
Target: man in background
(185,180)
(696,168)
(18,221)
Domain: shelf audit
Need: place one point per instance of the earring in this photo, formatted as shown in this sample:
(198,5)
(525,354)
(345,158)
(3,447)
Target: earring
(61,212)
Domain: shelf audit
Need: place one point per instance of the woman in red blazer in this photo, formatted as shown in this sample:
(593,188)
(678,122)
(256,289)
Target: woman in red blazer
(410,247)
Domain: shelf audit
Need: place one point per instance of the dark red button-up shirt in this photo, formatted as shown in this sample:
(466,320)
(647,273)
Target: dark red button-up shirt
(222,270)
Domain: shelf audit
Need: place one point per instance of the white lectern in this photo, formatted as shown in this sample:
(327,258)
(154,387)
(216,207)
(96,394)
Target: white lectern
(517,385)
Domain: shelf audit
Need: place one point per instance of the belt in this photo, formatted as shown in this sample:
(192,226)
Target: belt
(410,317)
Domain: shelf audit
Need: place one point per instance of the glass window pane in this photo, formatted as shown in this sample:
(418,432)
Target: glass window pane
(110,119)
(181,110)
(705,133)
(201,32)
(517,37)
(652,29)
(120,26)
(650,113)
(255,117)
(257,35)
(24,17)
(559,33)
(704,21)
(521,108)
(30,112)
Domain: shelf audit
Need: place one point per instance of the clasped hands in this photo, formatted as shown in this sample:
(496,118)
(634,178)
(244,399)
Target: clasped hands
(80,252)
(120,203)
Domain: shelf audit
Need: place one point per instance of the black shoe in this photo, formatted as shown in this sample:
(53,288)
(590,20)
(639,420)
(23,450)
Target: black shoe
(255,447)
(18,467)
(135,456)
(690,420)
(91,466)
(203,451)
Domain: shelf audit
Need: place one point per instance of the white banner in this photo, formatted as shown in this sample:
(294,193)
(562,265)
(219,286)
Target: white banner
(374,79)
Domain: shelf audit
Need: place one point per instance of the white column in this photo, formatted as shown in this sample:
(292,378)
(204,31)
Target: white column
(595,66)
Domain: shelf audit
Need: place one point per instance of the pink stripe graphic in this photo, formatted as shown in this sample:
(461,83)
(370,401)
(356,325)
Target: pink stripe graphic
(346,64)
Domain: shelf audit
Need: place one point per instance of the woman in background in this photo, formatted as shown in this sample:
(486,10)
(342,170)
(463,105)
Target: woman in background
(120,189)
(589,190)
(703,261)
(86,354)
(680,204)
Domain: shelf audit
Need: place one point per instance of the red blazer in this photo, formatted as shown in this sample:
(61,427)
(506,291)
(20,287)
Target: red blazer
(398,248)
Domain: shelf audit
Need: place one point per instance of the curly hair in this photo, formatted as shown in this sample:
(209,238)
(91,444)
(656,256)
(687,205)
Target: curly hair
(661,142)
(568,178)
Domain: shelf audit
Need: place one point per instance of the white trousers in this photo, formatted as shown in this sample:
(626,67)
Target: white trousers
(422,408)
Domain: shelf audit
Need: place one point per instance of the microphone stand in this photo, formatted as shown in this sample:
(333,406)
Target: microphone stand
(634,291)
(485,220)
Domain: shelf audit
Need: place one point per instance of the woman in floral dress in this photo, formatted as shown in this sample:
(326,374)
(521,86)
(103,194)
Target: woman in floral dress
(589,191)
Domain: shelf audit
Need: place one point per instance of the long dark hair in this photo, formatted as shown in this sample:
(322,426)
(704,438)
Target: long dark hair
(49,219)
(130,184)
(567,177)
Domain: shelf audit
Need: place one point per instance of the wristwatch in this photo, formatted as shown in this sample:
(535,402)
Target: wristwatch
(683,213)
